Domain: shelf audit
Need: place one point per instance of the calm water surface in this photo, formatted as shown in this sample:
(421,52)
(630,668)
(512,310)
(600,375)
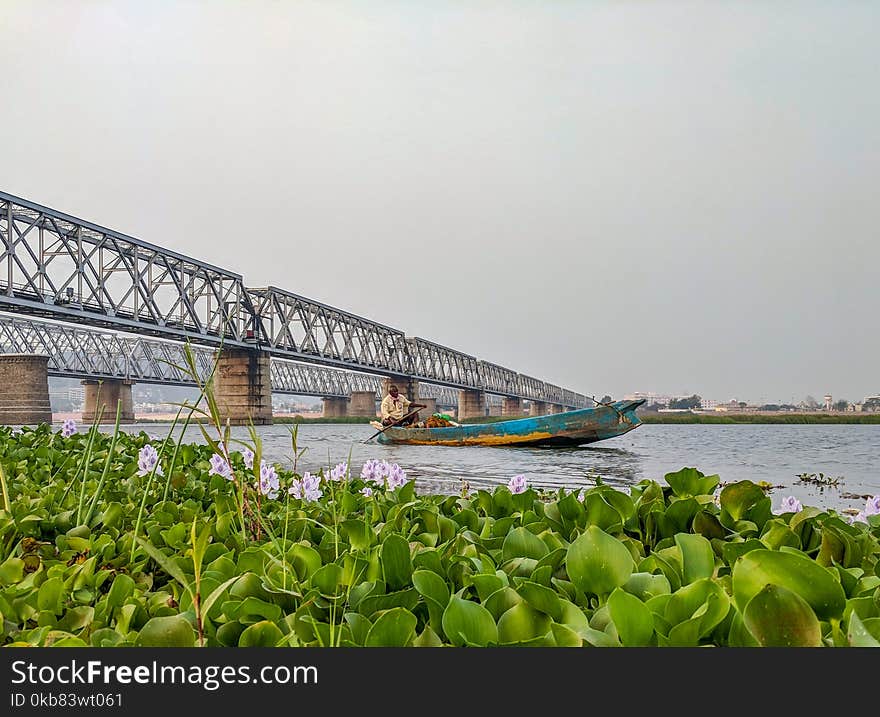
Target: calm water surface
(774,453)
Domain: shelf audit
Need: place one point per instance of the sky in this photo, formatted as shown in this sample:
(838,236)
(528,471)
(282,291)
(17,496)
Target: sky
(678,197)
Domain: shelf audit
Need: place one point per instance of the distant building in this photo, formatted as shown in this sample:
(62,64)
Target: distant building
(828,401)
(708,404)
(650,398)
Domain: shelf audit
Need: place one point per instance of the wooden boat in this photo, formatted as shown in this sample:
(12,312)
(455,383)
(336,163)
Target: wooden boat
(572,428)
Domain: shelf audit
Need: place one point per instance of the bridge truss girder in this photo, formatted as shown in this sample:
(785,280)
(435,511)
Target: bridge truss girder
(59,267)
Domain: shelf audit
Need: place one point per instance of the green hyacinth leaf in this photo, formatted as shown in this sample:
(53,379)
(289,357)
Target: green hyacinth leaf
(542,599)
(501,601)
(51,593)
(468,623)
(778,617)
(600,513)
(393,628)
(261,634)
(704,600)
(169,631)
(396,562)
(691,482)
(857,635)
(647,585)
(818,586)
(697,556)
(521,543)
(632,618)
(522,623)
(738,498)
(564,636)
(432,587)
(573,616)
(428,638)
(597,563)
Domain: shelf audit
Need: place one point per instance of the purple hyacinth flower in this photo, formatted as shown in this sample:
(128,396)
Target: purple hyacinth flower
(790,504)
(396,476)
(368,472)
(366,491)
(339,472)
(68,428)
(307,489)
(517,484)
(220,467)
(269,484)
(248,456)
(148,458)
(872,506)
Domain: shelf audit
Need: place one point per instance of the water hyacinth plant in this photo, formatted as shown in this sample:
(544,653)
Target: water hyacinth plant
(68,428)
(94,550)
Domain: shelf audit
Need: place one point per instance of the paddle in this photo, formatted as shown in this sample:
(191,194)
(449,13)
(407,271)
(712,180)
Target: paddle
(411,413)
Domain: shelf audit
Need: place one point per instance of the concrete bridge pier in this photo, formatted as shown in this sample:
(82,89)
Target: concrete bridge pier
(409,387)
(471,404)
(106,394)
(363,403)
(431,404)
(243,386)
(335,406)
(556,408)
(511,406)
(538,408)
(24,389)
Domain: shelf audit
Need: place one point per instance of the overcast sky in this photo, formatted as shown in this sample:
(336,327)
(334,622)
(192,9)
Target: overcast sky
(658,196)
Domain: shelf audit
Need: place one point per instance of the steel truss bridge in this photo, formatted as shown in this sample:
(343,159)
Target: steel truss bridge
(56,266)
(77,352)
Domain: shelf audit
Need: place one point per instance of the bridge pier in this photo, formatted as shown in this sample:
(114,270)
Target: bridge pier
(556,408)
(511,406)
(409,387)
(24,389)
(107,393)
(335,406)
(243,386)
(431,404)
(363,403)
(471,404)
(538,408)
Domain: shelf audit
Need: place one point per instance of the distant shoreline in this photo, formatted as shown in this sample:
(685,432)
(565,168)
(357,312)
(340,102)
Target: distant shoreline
(762,418)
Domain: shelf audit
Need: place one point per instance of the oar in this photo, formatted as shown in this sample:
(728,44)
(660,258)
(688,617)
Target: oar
(411,413)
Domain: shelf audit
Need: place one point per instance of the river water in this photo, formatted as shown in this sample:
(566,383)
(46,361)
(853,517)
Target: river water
(773,453)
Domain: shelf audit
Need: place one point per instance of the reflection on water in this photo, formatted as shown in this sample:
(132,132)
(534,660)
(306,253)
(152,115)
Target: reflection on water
(774,453)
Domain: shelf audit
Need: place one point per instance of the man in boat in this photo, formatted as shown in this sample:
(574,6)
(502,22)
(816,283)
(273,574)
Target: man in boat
(395,406)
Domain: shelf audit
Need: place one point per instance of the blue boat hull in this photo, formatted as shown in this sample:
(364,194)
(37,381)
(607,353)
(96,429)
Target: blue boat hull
(572,428)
